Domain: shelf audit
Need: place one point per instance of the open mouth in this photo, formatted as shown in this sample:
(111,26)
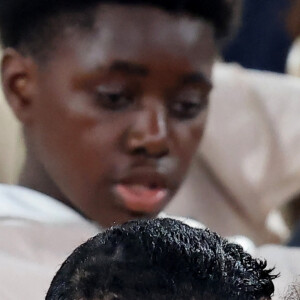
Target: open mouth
(142,194)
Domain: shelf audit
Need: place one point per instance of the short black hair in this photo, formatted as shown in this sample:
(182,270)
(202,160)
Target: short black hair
(24,23)
(161,259)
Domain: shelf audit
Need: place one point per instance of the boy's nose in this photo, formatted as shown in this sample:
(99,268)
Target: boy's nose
(149,133)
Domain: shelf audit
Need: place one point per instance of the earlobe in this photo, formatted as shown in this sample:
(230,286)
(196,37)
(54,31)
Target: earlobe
(17,81)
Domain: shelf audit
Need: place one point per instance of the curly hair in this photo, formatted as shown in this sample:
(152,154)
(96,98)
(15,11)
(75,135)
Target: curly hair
(161,259)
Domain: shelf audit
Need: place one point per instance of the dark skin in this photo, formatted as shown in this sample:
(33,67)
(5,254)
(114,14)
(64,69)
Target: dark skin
(125,103)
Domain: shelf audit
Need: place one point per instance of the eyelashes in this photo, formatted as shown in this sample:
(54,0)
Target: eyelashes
(188,109)
(184,105)
(114,97)
(115,101)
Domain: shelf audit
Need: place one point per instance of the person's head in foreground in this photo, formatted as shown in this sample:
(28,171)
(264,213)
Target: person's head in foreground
(112,96)
(160,259)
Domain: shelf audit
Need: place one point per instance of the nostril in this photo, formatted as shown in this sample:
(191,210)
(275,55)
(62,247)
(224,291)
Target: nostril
(165,152)
(157,153)
(139,151)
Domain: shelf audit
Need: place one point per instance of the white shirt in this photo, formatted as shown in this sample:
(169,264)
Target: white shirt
(37,233)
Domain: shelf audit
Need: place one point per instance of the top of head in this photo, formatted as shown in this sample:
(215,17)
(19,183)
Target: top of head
(21,20)
(160,259)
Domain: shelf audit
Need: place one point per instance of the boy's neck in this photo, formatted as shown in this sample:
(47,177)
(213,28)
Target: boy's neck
(33,176)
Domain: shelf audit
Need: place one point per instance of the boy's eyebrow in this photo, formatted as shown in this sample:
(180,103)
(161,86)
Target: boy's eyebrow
(196,77)
(129,68)
(199,79)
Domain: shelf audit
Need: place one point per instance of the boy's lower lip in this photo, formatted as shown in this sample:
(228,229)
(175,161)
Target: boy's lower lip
(141,199)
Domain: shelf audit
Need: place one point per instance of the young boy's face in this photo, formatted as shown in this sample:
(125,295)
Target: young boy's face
(116,114)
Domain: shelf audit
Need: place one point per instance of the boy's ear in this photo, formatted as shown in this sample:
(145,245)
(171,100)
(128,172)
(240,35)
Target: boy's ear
(17,73)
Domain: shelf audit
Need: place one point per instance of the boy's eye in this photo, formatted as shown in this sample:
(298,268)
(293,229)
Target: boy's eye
(188,106)
(114,100)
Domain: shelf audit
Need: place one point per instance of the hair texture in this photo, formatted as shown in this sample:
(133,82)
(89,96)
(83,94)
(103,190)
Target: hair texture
(27,24)
(160,259)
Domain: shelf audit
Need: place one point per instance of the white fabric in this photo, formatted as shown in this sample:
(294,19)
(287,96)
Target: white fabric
(34,206)
(253,137)
(38,233)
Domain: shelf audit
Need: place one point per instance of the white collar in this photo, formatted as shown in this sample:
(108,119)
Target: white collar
(18,202)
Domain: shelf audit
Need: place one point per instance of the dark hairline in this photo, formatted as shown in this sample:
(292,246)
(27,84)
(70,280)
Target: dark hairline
(26,39)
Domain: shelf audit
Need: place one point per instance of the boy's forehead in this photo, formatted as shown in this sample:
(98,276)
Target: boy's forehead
(151,18)
(128,32)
